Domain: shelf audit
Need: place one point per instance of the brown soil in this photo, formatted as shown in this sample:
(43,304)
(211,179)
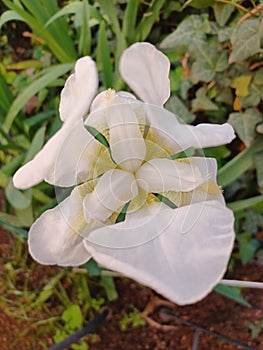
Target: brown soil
(215,313)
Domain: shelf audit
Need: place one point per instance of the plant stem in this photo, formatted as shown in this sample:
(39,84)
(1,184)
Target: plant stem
(245,284)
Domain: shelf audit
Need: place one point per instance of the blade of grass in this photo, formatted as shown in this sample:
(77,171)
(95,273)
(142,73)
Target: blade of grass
(8,16)
(32,89)
(103,55)
(148,20)
(245,203)
(85,33)
(241,163)
(6,94)
(42,10)
(55,46)
(129,19)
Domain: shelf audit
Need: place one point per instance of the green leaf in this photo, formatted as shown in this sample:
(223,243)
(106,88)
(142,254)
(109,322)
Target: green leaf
(245,203)
(240,163)
(25,216)
(9,16)
(6,95)
(107,282)
(149,17)
(35,14)
(40,83)
(191,30)
(231,293)
(110,10)
(98,136)
(208,62)
(255,91)
(245,124)
(222,12)
(103,55)
(92,267)
(10,226)
(202,102)
(247,247)
(17,198)
(258,158)
(129,19)
(72,8)
(241,84)
(85,33)
(72,317)
(198,4)
(245,40)
(176,106)
(36,144)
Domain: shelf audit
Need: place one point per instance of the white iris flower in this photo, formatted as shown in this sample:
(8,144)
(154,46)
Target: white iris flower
(136,208)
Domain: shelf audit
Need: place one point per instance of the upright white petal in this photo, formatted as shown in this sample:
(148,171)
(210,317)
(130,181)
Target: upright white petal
(126,142)
(184,266)
(56,237)
(161,174)
(108,97)
(66,159)
(79,90)
(114,189)
(178,137)
(146,70)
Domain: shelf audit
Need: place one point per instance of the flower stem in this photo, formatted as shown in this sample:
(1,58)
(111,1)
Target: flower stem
(245,284)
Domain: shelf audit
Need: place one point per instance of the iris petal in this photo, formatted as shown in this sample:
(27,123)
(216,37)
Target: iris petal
(79,90)
(146,70)
(183,266)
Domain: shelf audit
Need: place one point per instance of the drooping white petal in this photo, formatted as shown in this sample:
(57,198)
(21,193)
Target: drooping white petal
(79,90)
(56,237)
(178,137)
(126,142)
(66,159)
(182,265)
(114,189)
(146,70)
(162,174)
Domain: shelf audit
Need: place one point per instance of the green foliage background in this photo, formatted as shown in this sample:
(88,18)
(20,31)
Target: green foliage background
(215,50)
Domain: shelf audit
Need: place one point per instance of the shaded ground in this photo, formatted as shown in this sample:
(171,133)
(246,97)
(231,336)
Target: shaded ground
(214,312)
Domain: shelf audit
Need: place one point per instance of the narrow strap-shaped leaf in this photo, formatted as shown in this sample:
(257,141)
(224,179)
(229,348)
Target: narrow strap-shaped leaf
(103,55)
(32,89)
(165,200)
(98,136)
(129,19)
(148,20)
(85,33)
(245,203)
(238,165)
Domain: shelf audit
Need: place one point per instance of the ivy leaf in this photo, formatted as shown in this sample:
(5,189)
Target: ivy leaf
(208,62)
(176,106)
(222,12)
(241,84)
(245,40)
(202,102)
(198,4)
(192,29)
(245,124)
(258,158)
(255,91)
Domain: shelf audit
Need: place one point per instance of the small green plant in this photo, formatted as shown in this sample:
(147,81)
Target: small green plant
(255,328)
(73,320)
(133,319)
